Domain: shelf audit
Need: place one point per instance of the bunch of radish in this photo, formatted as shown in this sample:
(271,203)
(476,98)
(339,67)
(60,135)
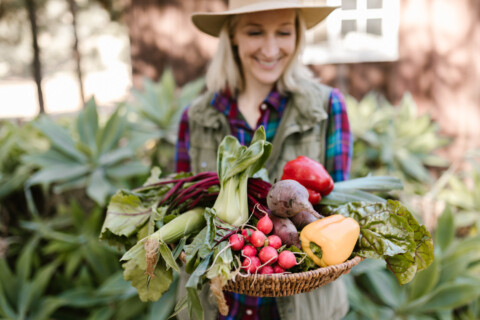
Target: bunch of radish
(260,252)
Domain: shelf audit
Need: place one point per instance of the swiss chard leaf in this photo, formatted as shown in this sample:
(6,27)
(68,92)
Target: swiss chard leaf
(126,215)
(390,231)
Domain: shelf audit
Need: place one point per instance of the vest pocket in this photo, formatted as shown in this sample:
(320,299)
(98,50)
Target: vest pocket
(203,158)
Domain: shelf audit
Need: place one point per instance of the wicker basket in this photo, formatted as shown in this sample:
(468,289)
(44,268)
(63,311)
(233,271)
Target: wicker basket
(279,285)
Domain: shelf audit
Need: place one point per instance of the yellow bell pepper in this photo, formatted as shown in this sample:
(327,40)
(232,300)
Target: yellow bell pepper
(329,241)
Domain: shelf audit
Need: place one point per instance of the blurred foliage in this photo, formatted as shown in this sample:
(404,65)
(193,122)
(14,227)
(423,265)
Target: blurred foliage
(394,140)
(92,157)
(461,191)
(17,140)
(64,272)
(155,115)
(448,289)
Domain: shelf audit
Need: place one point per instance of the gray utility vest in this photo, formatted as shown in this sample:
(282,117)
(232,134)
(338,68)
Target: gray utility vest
(302,130)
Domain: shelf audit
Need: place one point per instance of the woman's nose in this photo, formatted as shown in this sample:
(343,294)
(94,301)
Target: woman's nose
(270,48)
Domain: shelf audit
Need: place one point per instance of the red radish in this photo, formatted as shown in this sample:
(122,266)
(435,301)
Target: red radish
(266,270)
(258,239)
(278,269)
(251,264)
(274,241)
(246,234)
(265,224)
(286,259)
(268,255)
(236,242)
(249,251)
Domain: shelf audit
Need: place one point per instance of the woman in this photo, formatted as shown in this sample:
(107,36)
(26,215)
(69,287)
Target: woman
(256,78)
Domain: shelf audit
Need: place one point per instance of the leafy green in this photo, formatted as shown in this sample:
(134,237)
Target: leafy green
(149,289)
(235,164)
(126,215)
(389,231)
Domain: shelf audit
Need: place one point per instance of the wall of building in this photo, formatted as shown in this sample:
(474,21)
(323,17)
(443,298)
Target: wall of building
(439,63)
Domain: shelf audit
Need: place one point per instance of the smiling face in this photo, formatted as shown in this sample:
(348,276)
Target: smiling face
(265,42)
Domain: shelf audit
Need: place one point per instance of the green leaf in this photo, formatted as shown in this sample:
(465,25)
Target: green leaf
(24,262)
(59,137)
(362,305)
(181,304)
(58,173)
(40,282)
(167,256)
(163,308)
(52,157)
(412,166)
(344,196)
(8,283)
(99,188)
(127,170)
(87,124)
(425,281)
(108,137)
(126,214)
(445,232)
(46,308)
(115,156)
(446,297)
(148,290)
(194,304)
(370,183)
(385,288)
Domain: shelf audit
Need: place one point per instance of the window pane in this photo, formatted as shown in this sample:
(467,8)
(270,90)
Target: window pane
(374,26)
(349,4)
(348,26)
(374,4)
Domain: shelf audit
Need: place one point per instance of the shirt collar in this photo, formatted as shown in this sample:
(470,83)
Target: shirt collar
(224,100)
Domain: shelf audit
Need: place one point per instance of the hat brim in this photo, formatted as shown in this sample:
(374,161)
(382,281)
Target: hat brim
(211,22)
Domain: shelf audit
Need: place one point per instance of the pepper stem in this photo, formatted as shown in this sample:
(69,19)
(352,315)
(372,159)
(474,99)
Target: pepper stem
(316,249)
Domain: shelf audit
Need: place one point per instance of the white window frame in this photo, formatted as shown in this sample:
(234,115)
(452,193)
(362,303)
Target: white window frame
(357,46)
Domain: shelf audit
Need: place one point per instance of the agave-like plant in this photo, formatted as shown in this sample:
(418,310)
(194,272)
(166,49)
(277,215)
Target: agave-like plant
(461,191)
(394,140)
(92,157)
(17,140)
(155,113)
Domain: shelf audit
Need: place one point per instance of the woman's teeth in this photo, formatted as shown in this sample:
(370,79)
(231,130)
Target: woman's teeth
(267,63)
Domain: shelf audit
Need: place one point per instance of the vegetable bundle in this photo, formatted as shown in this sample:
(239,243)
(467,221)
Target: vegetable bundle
(231,223)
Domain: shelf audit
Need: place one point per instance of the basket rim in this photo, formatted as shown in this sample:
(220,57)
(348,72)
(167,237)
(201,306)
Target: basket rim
(305,274)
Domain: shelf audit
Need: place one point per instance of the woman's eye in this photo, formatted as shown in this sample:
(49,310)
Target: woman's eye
(254,33)
(284,33)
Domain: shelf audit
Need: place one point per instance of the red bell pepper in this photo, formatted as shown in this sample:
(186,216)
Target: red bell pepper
(313,196)
(311,174)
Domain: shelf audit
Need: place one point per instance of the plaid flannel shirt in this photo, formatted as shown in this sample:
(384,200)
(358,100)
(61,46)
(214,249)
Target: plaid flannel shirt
(337,163)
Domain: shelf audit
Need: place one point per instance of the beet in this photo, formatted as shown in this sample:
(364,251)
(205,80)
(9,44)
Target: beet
(286,198)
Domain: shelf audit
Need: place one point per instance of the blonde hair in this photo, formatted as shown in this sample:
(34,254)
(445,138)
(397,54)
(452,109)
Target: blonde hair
(225,70)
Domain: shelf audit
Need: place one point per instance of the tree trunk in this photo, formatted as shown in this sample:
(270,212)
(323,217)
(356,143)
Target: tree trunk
(163,36)
(76,53)
(36,64)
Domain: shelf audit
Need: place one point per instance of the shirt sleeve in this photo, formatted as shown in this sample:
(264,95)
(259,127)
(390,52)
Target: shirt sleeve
(182,159)
(339,150)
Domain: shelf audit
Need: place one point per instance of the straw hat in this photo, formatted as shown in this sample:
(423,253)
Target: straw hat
(212,22)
